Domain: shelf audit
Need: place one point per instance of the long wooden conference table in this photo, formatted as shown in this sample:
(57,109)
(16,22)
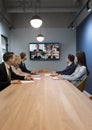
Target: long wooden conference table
(44,104)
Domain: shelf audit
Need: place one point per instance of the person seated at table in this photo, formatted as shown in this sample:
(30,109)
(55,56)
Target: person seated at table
(16,69)
(22,65)
(80,72)
(71,66)
(37,57)
(51,57)
(7,76)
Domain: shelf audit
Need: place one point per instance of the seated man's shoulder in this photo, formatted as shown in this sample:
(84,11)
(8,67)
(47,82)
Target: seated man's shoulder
(73,64)
(1,66)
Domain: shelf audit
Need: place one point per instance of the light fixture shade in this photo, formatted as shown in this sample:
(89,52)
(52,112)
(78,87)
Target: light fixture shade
(88,8)
(72,27)
(36,21)
(40,37)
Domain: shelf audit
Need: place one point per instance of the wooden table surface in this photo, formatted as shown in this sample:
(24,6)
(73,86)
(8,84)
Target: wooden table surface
(45,104)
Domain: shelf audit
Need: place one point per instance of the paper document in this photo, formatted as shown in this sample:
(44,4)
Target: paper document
(47,74)
(25,81)
(37,78)
(55,78)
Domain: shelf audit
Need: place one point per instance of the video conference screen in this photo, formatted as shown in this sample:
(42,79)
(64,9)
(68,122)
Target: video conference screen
(44,51)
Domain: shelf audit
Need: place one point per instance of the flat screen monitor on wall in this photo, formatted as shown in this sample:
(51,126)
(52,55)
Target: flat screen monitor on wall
(44,51)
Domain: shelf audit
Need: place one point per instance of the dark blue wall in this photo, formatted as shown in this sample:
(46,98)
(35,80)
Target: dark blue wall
(84,43)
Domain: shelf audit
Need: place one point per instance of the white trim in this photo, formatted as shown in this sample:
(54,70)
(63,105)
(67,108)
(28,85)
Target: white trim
(86,93)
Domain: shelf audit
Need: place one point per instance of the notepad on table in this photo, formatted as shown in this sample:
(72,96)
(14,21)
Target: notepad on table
(47,74)
(37,78)
(25,81)
(55,78)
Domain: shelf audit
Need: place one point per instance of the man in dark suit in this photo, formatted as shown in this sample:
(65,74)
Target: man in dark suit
(38,49)
(52,57)
(7,76)
(37,57)
(22,65)
(71,66)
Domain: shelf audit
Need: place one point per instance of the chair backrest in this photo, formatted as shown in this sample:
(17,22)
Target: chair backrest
(90,97)
(82,84)
(43,71)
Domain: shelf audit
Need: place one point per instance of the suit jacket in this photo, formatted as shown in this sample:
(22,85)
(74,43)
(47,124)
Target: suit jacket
(37,58)
(22,66)
(4,80)
(69,69)
(53,58)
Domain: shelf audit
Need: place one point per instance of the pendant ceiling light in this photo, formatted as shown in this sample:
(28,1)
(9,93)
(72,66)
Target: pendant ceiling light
(88,8)
(40,38)
(36,21)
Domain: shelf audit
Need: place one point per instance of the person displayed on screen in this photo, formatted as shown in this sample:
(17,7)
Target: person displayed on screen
(38,56)
(47,50)
(22,66)
(51,57)
(37,46)
(80,72)
(53,48)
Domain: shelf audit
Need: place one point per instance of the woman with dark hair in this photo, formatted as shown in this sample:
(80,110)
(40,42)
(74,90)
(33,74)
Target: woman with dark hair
(81,70)
(81,60)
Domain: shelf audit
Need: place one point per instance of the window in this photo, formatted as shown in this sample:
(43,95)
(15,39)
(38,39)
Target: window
(4,44)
